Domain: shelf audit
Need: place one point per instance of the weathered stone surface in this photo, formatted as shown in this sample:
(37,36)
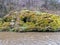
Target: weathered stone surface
(30,38)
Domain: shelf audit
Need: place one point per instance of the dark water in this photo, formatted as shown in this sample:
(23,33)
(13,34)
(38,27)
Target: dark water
(30,38)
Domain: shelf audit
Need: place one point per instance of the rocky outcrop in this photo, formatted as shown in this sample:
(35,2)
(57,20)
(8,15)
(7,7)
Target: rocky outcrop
(8,5)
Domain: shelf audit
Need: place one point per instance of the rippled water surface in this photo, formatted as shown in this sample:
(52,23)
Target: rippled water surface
(30,38)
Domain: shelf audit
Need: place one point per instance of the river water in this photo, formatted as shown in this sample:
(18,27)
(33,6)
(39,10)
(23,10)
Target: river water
(30,38)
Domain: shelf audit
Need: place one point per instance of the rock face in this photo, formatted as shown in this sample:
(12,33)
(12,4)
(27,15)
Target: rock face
(18,4)
(8,5)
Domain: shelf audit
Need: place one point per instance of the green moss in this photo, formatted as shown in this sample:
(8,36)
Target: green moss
(27,20)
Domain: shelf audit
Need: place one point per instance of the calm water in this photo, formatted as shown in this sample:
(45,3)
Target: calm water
(29,38)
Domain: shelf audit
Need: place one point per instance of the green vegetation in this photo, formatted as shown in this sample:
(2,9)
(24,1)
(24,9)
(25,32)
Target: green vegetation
(27,20)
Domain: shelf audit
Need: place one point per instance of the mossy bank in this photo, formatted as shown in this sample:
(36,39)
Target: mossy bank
(27,20)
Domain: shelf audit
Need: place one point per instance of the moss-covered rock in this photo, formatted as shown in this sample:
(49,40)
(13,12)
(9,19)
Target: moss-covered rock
(27,20)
